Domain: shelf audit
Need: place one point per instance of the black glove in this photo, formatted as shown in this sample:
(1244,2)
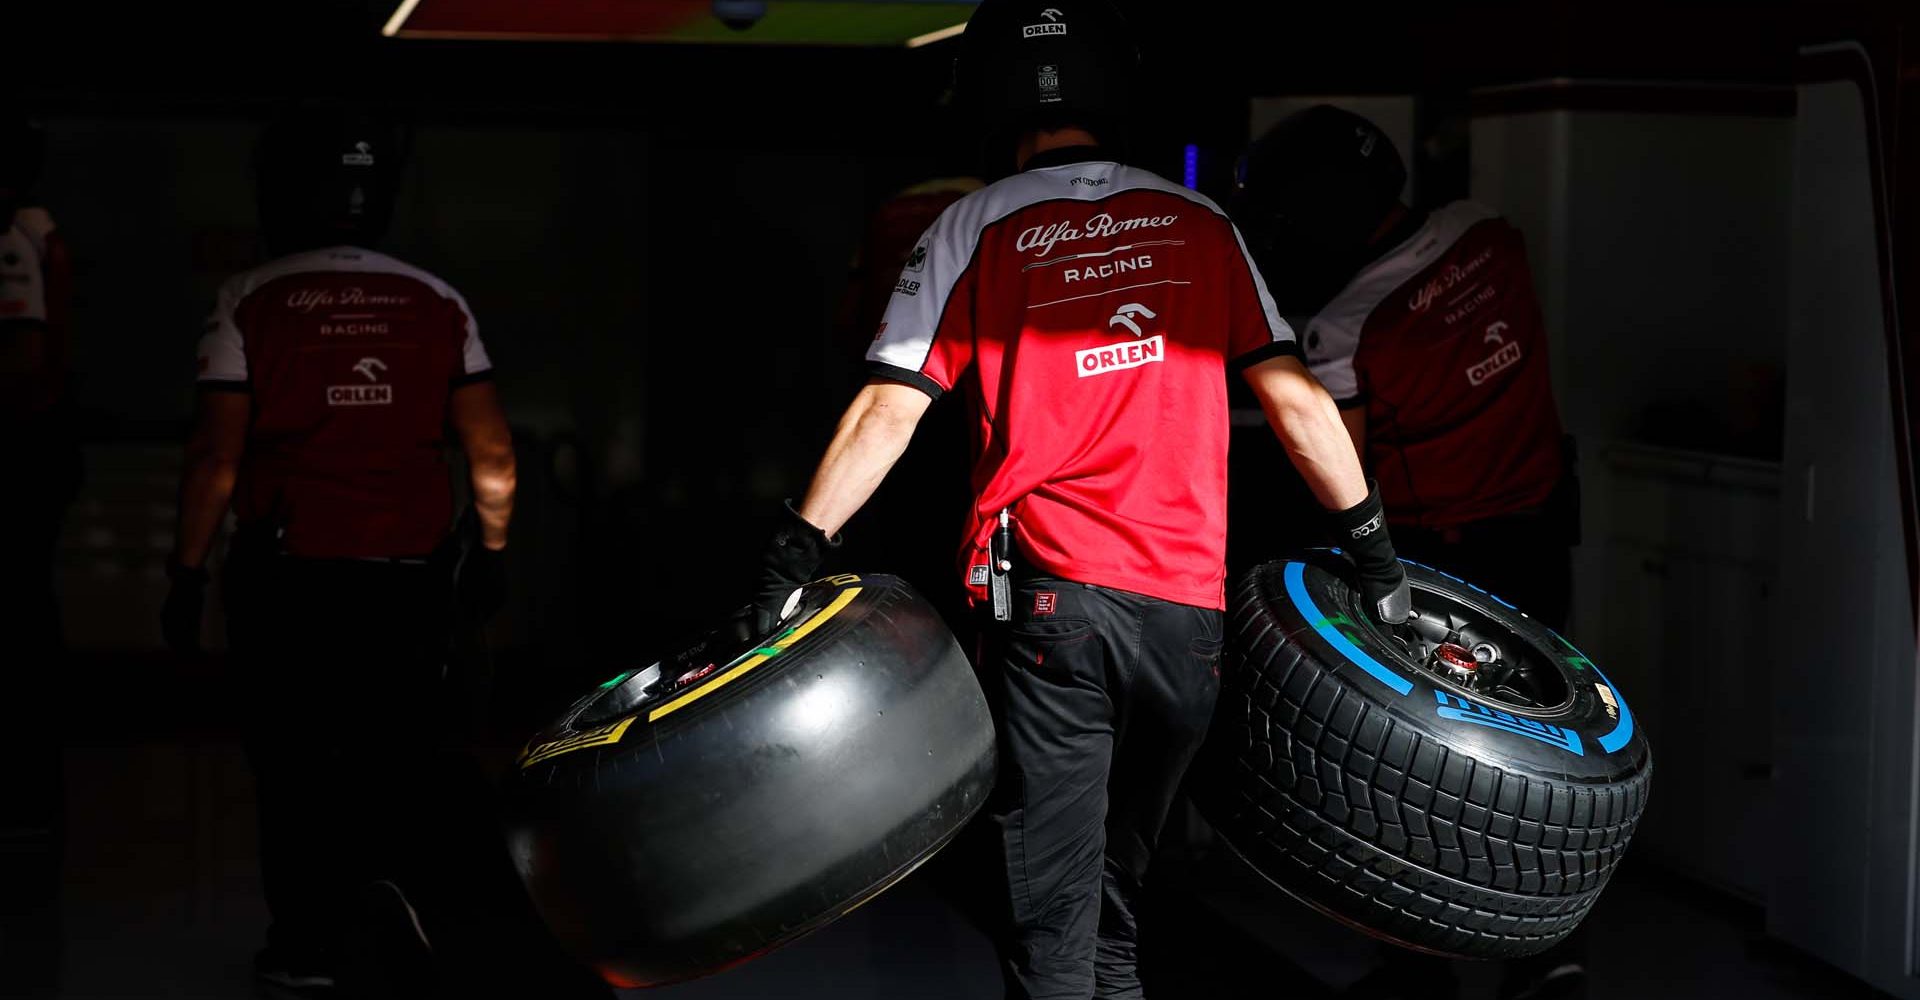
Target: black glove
(1362,531)
(186,604)
(791,559)
(482,587)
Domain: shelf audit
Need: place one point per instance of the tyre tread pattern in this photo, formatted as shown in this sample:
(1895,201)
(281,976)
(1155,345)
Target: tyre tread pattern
(1364,816)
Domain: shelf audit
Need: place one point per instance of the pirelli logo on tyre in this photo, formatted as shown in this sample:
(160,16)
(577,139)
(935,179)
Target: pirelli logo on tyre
(1115,357)
(597,737)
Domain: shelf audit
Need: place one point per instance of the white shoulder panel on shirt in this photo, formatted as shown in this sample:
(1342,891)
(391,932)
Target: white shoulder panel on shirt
(37,224)
(1333,335)
(221,352)
(949,245)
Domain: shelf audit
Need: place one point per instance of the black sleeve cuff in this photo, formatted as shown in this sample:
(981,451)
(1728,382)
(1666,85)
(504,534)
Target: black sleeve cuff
(1277,349)
(906,376)
(224,385)
(483,375)
(1358,399)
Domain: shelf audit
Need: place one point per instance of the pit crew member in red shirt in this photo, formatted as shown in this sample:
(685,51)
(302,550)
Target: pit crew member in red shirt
(1435,351)
(1088,311)
(327,378)
(1434,348)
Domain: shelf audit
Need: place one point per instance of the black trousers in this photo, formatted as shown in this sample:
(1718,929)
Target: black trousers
(1101,699)
(364,773)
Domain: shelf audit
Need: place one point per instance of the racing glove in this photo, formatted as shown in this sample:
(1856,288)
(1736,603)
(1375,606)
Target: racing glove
(790,560)
(482,587)
(1362,531)
(186,604)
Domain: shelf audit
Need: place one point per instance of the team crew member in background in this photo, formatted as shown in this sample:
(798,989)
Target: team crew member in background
(39,437)
(327,378)
(1088,312)
(1434,348)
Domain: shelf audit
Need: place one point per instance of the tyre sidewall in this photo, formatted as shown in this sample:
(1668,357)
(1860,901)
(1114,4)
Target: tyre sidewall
(1590,739)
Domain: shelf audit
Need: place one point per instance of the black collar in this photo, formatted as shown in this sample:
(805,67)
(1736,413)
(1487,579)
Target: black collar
(1065,155)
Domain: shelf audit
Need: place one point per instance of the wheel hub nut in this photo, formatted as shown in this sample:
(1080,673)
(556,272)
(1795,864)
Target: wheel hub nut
(1455,659)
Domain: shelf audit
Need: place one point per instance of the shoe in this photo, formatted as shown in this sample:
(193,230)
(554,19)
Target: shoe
(1565,981)
(279,974)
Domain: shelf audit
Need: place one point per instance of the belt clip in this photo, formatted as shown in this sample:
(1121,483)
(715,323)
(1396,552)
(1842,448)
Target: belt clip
(1000,583)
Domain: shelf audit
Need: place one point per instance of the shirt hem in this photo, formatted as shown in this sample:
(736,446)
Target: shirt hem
(1216,601)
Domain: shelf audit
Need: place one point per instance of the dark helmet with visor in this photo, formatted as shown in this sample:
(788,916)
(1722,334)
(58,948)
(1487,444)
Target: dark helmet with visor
(1323,175)
(326,176)
(1312,193)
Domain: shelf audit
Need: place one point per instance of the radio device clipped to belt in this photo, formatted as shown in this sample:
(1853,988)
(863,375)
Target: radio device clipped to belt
(1000,573)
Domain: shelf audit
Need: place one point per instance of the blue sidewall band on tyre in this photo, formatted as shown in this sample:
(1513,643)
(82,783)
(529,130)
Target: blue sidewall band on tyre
(1432,815)
(1297,590)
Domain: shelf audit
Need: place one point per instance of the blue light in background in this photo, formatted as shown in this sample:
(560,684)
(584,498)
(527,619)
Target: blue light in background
(1193,167)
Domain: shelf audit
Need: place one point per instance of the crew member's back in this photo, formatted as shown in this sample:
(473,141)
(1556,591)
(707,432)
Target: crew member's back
(350,357)
(1092,309)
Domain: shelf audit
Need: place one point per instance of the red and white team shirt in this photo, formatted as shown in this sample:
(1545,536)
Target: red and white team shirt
(1091,310)
(1442,341)
(350,356)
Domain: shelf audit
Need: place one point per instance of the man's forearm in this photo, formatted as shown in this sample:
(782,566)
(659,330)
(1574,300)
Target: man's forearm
(1310,427)
(872,436)
(1317,442)
(205,490)
(494,482)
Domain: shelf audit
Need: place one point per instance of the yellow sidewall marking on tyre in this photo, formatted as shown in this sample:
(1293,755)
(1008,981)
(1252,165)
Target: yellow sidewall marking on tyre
(597,737)
(780,645)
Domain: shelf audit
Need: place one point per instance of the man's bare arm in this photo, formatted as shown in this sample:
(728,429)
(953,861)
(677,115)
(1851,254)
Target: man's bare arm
(481,424)
(212,464)
(1310,427)
(872,436)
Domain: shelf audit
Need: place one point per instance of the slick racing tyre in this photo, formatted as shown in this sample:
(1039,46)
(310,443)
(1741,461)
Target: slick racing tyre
(1464,784)
(727,800)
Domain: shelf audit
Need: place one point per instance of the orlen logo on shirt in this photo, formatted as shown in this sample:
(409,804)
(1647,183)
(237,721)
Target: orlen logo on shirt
(1114,357)
(1504,358)
(375,394)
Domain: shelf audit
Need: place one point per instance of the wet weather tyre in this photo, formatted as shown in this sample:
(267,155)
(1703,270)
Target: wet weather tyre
(738,795)
(1470,809)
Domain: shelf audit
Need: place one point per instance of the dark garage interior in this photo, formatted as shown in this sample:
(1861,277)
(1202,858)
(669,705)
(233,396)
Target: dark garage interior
(657,219)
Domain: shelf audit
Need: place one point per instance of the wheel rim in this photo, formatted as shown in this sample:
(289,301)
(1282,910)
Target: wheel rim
(1460,646)
(716,652)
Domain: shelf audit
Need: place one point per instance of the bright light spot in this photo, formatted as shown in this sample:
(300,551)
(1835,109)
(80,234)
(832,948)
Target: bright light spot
(399,18)
(820,704)
(930,37)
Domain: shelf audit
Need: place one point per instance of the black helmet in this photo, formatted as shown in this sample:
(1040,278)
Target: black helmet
(1323,176)
(1035,64)
(23,147)
(326,176)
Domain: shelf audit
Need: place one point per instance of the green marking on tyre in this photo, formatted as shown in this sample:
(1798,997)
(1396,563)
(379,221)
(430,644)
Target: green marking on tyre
(768,651)
(617,681)
(1332,621)
(1579,662)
